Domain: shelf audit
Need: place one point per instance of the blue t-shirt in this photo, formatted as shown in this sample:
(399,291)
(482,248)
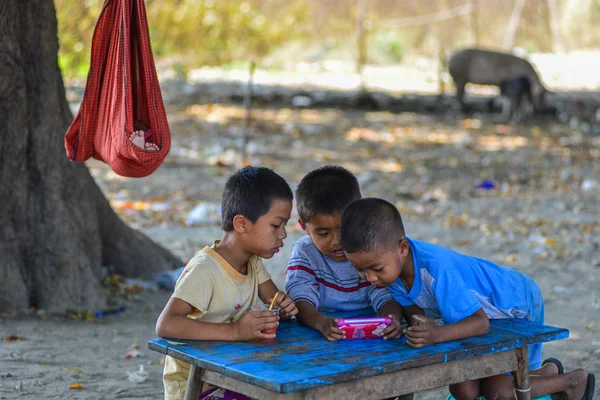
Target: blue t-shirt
(456,285)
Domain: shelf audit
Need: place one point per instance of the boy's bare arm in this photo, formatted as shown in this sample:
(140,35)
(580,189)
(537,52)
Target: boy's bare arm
(393,308)
(426,331)
(410,311)
(475,325)
(174,323)
(267,291)
(310,316)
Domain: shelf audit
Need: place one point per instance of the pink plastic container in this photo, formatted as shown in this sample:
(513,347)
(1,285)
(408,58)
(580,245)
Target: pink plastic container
(363,328)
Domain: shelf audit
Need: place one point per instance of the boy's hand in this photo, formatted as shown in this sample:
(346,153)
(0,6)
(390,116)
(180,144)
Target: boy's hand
(329,330)
(251,323)
(288,307)
(423,332)
(394,330)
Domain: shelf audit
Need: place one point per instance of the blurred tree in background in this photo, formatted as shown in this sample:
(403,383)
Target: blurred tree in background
(200,32)
(281,32)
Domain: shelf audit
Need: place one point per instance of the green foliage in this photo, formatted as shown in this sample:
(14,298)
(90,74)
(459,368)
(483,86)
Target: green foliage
(390,43)
(531,47)
(76,21)
(206,32)
(234,32)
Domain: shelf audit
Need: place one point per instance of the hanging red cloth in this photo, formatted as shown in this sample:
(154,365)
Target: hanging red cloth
(122,95)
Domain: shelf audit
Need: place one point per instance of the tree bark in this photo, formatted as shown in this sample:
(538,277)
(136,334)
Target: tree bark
(361,42)
(474,22)
(513,24)
(56,228)
(554,24)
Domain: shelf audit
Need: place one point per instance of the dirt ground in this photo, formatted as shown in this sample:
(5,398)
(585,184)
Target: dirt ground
(541,217)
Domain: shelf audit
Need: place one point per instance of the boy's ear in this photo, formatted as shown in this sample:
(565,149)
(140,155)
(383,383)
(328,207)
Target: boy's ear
(403,247)
(240,223)
(302,225)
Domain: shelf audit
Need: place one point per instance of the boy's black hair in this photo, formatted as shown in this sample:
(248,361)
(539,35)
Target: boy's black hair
(370,224)
(250,192)
(326,191)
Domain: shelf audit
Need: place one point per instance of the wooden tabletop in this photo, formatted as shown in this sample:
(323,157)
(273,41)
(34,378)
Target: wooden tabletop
(301,358)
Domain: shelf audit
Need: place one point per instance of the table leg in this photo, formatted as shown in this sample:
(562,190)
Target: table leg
(521,375)
(193,389)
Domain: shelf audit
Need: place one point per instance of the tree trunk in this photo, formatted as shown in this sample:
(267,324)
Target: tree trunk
(361,42)
(474,22)
(248,99)
(553,11)
(513,24)
(56,228)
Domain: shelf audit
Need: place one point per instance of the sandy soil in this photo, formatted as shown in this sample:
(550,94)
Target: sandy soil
(541,218)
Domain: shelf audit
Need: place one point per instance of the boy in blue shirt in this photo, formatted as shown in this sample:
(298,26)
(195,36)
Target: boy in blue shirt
(467,292)
(319,278)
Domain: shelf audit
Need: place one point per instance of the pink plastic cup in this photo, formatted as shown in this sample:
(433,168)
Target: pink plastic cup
(264,307)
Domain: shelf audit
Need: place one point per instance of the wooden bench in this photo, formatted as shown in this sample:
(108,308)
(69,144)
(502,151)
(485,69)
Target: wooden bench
(301,364)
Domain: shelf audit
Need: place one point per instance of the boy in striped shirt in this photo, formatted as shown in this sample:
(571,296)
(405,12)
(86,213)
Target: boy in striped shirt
(320,280)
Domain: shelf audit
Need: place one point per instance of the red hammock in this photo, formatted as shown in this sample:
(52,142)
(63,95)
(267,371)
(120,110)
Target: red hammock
(122,95)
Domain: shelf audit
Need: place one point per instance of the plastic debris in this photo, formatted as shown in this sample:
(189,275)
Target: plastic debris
(13,338)
(589,184)
(167,279)
(133,353)
(486,185)
(139,205)
(302,101)
(204,214)
(138,376)
(111,311)
(134,285)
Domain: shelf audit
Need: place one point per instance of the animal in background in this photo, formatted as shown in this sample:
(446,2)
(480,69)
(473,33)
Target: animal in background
(486,67)
(515,100)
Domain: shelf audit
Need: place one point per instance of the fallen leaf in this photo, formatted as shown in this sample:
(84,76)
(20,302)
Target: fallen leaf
(13,338)
(76,386)
(591,325)
(73,370)
(471,123)
(90,317)
(501,128)
(173,342)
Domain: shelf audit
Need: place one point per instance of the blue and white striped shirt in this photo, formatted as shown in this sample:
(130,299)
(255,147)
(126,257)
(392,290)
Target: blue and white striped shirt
(327,284)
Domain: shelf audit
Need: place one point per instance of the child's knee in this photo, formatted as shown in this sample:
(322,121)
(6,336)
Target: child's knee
(465,390)
(498,388)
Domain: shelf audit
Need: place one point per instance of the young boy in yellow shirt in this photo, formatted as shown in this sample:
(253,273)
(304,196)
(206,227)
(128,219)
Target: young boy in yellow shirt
(213,295)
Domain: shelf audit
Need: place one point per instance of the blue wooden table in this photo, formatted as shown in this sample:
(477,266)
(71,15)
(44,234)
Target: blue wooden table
(301,364)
